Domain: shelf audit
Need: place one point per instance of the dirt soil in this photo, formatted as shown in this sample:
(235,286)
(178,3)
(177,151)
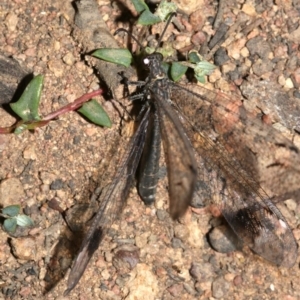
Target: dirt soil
(55,170)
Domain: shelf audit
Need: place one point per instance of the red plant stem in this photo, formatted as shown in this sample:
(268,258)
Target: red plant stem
(6,130)
(74,105)
(70,107)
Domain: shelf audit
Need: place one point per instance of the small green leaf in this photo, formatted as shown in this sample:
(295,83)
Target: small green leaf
(24,221)
(27,106)
(20,129)
(194,57)
(94,112)
(11,210)
(139,5)
(202,69)
(10,225)
(164,9)
(177,70)
(200,78)
(148,18)
(118,56)
(166,67)
(167,50)
(149,50)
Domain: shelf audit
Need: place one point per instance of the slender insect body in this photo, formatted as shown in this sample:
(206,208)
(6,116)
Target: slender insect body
(182,173)
(149,164)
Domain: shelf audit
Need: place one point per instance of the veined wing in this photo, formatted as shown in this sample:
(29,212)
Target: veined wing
(221,137)
(179,155)
(263,153)
(111,203)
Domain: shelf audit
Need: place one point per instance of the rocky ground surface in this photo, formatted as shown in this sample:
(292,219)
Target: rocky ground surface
(145,254)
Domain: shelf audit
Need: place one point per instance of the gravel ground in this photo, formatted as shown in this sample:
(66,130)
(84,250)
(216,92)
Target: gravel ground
(145,254)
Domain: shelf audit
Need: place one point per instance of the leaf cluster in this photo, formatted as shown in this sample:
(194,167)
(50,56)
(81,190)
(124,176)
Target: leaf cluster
(14,217)
(27,109)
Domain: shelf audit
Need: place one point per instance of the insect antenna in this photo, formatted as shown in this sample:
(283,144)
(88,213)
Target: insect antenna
(138,42)
(165,29)
(130,34)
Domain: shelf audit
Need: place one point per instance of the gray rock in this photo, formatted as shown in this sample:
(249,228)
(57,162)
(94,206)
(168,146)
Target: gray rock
(259,46)
(224,240)
(201,272)
(220,288)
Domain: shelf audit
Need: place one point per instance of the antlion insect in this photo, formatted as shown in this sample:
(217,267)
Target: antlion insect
(206,137)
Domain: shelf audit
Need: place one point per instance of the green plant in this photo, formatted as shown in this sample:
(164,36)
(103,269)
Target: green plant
(14,218)
(27,109)
(162,12)
(175,70)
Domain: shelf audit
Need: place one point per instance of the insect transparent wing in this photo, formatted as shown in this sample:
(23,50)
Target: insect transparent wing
(264,153)
(111,203)
(179,154)
(243,202)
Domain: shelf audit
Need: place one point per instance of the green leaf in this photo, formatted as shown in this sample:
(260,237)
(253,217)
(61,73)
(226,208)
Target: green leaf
(177,70)
(167,50)
(148,18)
(10,225)
(166,67)
(164,9)
(11,210)
(139,5)
(94,112)
(200,78)
(201,67)
(118,56)
(20,129)
(194,57)
(204,68)
(27,106)
(24,221)
(149,50)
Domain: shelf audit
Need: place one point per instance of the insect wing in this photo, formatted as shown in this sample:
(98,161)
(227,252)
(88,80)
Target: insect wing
(261,151)
(244,204)
(181,165)
(111,203)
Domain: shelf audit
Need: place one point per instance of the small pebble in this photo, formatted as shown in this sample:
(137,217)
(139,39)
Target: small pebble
(11,192)
(69,59)
(24,248)
(223,239)
(220,288)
